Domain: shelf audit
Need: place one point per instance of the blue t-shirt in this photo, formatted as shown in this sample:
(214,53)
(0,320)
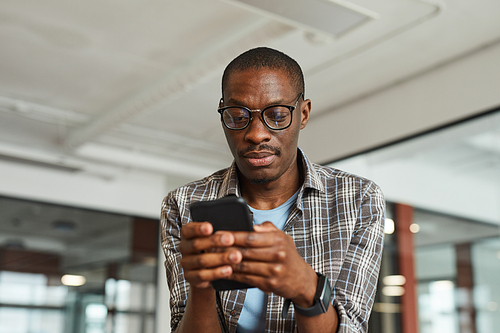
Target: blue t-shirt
(253,316)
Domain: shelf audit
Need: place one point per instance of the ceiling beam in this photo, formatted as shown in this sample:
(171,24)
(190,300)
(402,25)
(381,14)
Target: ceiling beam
(193,73)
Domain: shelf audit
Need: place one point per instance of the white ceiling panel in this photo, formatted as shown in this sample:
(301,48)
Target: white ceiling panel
(143,78)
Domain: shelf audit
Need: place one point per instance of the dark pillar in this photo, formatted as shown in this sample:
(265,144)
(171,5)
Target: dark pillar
(144,239)
(465,286)
(403,216)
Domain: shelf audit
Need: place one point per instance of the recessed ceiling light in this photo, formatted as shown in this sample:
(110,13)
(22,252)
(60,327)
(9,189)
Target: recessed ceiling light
(414,228)
(393,291)
(394,280)
(73,280)
(333,17)
(64,225)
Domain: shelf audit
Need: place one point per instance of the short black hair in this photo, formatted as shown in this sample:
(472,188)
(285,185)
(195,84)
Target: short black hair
(265,57)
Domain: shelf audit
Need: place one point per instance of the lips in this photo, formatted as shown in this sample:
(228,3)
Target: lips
(259,159)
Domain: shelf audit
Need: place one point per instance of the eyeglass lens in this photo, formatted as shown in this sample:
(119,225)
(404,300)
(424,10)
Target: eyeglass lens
(276,117)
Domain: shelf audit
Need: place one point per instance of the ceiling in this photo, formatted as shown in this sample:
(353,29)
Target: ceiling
(134,84)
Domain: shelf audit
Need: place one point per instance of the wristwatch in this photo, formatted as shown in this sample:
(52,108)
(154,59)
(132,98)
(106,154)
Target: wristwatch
(321,300)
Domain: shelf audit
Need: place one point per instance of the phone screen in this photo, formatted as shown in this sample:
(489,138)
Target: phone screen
(230,213)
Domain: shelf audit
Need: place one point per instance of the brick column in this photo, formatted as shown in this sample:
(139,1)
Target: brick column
(465,287)
(403,216)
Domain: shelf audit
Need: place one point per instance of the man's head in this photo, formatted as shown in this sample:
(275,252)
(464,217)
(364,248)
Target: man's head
(264,57)
(255,80)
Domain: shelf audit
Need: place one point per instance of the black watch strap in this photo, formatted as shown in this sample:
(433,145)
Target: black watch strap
(321,300)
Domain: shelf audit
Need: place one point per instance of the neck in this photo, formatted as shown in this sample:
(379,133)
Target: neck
(275,193)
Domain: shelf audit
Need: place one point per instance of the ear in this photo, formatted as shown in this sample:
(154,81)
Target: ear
(305,112)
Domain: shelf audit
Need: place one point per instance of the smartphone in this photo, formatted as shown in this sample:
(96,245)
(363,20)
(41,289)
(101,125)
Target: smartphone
(229,213)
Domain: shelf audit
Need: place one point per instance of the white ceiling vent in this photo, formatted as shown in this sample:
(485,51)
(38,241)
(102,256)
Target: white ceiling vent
(334,17)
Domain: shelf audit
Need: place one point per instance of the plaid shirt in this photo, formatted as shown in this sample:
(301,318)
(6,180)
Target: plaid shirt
(337,224)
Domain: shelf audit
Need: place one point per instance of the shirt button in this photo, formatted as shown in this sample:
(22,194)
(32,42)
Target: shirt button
(233,313)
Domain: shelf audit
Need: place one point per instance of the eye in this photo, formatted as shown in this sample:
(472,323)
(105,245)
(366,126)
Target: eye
(277,115)
(236,117)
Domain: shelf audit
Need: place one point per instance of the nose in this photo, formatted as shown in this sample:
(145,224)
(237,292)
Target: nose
(257,132)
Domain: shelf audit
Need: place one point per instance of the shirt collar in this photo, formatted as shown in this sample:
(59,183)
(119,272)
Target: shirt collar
(311,177)
(230,184)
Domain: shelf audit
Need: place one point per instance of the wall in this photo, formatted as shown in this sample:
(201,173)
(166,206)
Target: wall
(127,192)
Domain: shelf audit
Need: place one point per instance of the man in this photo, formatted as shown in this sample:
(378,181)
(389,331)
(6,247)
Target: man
(326,231)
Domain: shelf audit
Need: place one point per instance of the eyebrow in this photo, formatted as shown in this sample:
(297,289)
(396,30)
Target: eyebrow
(235,102)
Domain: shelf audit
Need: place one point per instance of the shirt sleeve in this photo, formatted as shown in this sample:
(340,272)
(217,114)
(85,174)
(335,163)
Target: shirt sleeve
(354,291)
(171,223)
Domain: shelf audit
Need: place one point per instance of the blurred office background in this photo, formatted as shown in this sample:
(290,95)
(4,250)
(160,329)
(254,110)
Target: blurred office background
(105,106)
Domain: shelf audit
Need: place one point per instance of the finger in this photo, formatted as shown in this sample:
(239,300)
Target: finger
(199,244)
(210,260)
(258,239)
(196,229)
(259,268)
(201,278)
(264,283)
(264,254)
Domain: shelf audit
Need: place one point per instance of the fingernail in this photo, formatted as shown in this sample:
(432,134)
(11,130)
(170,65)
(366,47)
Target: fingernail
(204,229)
(234,257)
(225,239)
(226,270)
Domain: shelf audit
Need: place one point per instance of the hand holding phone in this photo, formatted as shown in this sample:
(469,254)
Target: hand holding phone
(230,213)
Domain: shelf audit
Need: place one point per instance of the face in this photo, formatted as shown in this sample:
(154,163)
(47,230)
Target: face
(261,154)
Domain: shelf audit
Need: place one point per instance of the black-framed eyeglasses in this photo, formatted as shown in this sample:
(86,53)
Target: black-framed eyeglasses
(275,117)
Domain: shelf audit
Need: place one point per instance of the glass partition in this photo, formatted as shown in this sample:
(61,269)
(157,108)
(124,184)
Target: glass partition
(450,179)
(71,270)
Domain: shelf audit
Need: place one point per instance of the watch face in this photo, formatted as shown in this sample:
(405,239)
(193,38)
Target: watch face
(325,292)
(321,287)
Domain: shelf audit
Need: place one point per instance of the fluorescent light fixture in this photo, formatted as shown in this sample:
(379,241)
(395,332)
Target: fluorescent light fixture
(393,291)
(414,228)
(73,280)
(334,17)
(394,280)
(389,226)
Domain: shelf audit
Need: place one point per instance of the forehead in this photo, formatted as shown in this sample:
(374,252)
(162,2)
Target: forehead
(261,83)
